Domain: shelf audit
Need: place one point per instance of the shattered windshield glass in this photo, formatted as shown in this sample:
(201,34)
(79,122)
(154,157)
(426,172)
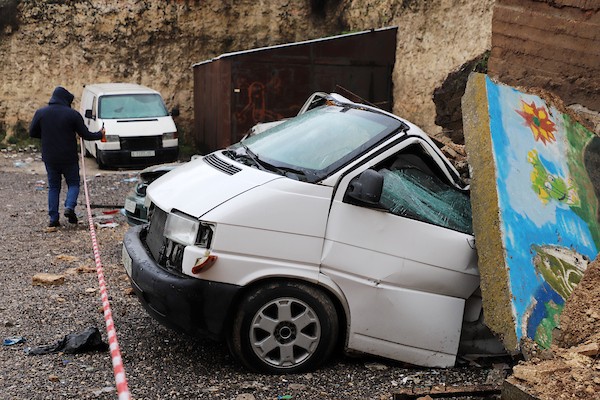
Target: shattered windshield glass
(132,106)
(414,194)
(320,140)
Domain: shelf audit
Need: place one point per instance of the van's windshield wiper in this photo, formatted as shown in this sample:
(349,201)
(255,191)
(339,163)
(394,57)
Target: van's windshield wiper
(254,158)
(295,173)
(290,172)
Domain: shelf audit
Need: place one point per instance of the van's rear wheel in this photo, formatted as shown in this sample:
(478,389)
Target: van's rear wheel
(284,327)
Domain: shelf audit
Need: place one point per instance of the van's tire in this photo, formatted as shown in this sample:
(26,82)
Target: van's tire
(297,322)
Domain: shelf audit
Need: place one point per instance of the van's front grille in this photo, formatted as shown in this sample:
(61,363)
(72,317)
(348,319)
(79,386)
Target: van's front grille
(141,143)
(221,165)
(155,239)
(165,252)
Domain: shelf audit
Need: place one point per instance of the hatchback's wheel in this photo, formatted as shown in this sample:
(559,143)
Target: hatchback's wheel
(284,327)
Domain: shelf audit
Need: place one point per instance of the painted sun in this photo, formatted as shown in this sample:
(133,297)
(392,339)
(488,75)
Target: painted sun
(536,118)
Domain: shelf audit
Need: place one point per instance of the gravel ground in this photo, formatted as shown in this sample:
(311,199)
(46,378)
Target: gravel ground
(159,363)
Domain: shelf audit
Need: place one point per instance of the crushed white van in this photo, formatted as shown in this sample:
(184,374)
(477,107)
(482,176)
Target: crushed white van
(344,226)
(140,131)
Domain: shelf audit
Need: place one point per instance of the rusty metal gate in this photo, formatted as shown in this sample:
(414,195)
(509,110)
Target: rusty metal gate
(235,91)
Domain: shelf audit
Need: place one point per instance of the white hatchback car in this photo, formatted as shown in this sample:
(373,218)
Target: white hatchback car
(345,226)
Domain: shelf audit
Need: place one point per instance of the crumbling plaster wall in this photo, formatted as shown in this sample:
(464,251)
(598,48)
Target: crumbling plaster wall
(52,43)
(152,43)
(435,37)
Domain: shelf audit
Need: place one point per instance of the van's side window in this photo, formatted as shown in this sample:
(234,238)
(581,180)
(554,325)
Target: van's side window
(413,188)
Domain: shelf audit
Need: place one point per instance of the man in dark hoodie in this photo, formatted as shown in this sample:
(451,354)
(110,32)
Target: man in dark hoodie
(57,125)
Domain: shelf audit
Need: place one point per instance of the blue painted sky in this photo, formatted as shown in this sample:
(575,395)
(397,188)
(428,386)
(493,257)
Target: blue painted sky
(525,220)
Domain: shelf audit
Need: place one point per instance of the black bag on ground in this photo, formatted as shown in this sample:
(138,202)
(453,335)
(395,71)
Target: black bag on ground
(87,340)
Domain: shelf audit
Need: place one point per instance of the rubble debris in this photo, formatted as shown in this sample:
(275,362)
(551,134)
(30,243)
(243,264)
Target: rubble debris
(45,279)
(82,269)
(573,370)
(591,349)
(373,366)
(540,372)
(66,258)
(105,221)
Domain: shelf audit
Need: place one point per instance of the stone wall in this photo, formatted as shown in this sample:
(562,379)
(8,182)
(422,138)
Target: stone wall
(47,43)
(152,43)
(435,37)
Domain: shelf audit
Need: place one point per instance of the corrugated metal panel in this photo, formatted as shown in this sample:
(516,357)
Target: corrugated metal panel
(235,91)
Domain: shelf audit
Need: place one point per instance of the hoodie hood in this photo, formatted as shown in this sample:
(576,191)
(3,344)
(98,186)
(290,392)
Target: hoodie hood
(61,96)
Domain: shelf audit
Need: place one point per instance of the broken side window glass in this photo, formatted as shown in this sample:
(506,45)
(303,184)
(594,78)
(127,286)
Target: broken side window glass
(412,193)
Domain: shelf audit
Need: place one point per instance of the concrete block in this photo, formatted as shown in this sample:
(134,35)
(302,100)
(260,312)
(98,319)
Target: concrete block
(534,194)
(536,374)
(590,349)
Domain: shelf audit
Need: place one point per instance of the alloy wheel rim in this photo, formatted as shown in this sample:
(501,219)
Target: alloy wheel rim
(285,332)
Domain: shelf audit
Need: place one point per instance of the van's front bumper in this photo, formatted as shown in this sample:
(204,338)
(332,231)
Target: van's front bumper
(185,304)
(124,158)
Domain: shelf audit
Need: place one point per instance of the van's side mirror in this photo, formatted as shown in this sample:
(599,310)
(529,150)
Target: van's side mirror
(88,114)
(366,188)
(175,112)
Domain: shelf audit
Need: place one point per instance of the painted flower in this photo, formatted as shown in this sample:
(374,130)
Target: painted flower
(538,121)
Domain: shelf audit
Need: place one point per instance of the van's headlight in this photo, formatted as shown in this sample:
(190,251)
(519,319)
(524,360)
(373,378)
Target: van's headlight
(169,135)
(186,230)
(181,228)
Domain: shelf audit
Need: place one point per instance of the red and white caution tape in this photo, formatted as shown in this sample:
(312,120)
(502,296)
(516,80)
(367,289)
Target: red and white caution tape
(115,352)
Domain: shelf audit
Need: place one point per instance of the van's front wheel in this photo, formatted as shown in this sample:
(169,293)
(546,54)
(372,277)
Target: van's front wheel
(284,327)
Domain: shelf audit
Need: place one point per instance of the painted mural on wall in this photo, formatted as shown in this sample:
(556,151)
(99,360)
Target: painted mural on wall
(548,189)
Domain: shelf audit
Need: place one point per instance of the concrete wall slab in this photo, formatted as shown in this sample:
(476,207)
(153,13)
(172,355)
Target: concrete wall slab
(535,191)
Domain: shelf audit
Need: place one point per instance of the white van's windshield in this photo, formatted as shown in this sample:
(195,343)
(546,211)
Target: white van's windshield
(131,106)
(320,140)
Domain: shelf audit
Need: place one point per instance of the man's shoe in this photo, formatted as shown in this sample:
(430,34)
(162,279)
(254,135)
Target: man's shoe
(71,216)
(53,224)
